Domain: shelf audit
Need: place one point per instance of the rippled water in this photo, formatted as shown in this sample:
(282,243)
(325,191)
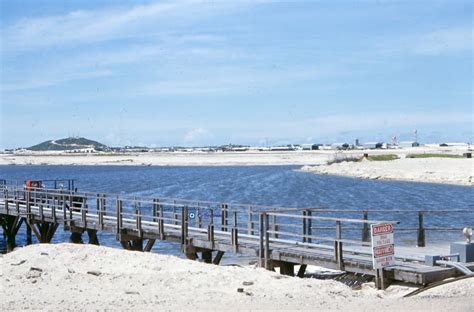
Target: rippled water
(263,185)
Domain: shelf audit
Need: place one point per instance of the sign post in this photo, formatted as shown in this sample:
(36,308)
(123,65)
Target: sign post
(383,249)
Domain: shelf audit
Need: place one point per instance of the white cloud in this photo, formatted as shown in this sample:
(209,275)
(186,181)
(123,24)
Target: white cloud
(333,124)
(444,41)
(232,79)
(198,136)
(440,42)
(48,79)
(82,26)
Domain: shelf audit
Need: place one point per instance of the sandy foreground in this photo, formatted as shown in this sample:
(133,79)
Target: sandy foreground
(73,277)
(458,171)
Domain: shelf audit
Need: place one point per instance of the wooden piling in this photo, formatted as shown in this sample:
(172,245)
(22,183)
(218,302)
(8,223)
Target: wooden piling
(118,207)
(421,230)
(304,226)
(365,228)
(261,250)
(310,225)
(338,256)
(138,221)
(267,243)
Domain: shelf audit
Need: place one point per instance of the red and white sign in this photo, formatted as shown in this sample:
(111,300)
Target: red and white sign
(379,229)
(383,246)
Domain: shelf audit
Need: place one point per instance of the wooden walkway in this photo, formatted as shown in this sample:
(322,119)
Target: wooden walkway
(277,237)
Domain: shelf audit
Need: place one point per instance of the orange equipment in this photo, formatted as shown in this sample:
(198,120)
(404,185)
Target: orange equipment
(33,184)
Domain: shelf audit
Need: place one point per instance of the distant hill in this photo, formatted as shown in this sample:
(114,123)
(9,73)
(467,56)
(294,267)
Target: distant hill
(68,144)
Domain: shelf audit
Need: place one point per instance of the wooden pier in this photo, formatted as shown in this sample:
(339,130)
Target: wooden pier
(282,238)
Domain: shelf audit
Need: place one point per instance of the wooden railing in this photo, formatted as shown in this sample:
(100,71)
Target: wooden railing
(239,226)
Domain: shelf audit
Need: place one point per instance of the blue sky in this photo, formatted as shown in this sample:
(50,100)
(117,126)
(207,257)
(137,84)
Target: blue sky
(251,72)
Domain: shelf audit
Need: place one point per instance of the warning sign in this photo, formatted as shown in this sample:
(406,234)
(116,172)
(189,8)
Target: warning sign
(383,246)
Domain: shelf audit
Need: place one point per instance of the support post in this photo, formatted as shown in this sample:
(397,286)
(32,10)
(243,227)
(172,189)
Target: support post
(44,231)
(301,271)
(261,242)
(381,280)
(206,255)
(218,257)
(138,216)
(64,211)
(210,234)
(421,230)
(5,199)
(235,233)
(161,222)
(268,265)
(274,226)
(338,247)
(119,215)
(28,206)
(250,222)
(84,212)
(310,225)
(100,215)
(365,229)
(184,226)
(224,217)
(93,240)
(155,210)
(199,217)
(287,268)
(304,226)
(10,227)
(149,245)
(29,239)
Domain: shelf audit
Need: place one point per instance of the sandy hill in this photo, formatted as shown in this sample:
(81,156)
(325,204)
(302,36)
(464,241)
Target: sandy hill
(67,144)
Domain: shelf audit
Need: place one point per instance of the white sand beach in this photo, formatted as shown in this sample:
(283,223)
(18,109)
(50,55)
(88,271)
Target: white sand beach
(458,171)
(85,277)
(170,159)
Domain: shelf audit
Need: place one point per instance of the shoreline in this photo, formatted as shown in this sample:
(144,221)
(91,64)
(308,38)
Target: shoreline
(445,171)
(52,277)
(439,170)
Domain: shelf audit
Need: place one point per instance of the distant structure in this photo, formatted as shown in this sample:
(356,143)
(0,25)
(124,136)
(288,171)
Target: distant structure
(406,144)
(394,140)
(372,145)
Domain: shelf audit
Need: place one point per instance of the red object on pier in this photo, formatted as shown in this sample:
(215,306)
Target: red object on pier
(32,184)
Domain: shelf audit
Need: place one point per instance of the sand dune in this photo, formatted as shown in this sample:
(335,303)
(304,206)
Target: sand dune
(66,276)
(458,171)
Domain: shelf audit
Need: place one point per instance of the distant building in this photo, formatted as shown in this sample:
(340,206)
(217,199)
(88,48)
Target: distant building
(325,147)
(372,145)
(406,144)
(282,148)
(454,144)
(340,146)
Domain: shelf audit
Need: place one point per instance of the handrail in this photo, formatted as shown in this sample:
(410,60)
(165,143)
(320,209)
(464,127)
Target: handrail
(179,202)
(330,219)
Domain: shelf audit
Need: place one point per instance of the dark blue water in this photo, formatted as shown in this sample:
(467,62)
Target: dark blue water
(275,185)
